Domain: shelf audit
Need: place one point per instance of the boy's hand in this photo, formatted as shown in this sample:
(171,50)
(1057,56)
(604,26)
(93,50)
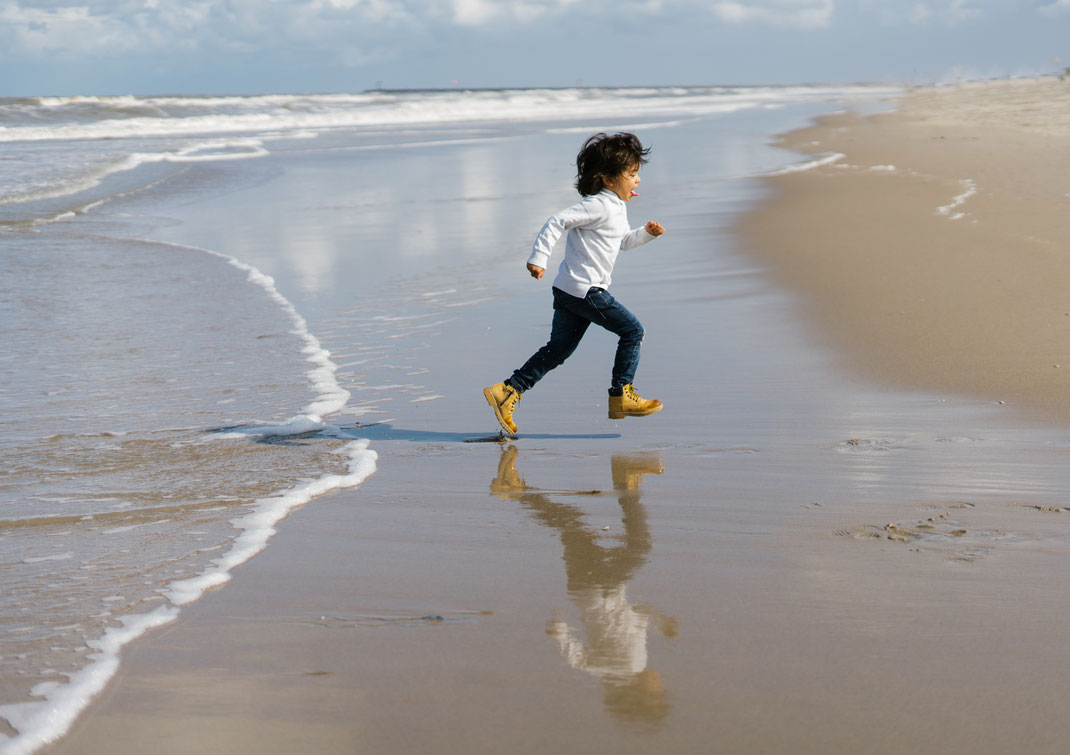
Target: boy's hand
(654,228)
(536,271)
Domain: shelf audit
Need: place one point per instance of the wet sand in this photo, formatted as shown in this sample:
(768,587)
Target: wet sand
(803,553)
(933,255)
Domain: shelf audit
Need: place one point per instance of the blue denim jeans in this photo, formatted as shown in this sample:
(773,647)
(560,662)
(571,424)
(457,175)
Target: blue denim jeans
(571,318)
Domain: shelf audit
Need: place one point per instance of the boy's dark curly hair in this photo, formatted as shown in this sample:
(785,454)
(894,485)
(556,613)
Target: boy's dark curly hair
(605,156)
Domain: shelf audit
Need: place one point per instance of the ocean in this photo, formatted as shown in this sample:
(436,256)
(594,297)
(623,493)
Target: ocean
(173,389)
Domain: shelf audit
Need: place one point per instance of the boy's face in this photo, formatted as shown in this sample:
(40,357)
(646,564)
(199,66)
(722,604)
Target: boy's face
(624,184)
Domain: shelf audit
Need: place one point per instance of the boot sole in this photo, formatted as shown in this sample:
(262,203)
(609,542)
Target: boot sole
(497,411)
(623,415)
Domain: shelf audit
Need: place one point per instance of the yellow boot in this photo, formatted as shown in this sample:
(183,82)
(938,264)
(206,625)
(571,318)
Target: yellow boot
(631,404)
(503,399)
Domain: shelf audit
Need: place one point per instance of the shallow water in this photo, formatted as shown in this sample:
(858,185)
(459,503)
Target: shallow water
(139,323)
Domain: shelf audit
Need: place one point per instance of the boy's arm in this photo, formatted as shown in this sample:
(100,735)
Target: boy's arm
(639,236)
(575,216)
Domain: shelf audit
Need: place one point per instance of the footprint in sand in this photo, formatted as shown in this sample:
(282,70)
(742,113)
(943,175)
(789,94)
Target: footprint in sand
(937,532)
(1037,507)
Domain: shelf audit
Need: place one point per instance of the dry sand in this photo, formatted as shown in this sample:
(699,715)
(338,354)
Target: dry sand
(936,253)
(830,571)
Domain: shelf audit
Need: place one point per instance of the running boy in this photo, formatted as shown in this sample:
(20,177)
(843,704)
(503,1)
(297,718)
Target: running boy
(607,170)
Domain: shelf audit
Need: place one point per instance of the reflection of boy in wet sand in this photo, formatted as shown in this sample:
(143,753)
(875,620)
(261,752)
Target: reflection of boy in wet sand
(615,629)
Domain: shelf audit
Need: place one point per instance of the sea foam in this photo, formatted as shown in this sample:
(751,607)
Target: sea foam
(948,210)
(79,142)
(41,722)
(127,117)
(808,165)
(331,397)
(203,151)
(258,526)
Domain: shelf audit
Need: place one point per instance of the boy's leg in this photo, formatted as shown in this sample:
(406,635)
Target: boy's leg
(565,335)
(615,317)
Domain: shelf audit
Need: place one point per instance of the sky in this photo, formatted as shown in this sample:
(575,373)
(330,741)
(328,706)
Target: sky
(67,47)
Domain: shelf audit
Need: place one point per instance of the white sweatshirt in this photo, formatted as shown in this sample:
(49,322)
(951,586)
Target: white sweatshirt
(597,231)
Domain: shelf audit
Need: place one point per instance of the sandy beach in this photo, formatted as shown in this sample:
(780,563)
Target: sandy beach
(844,534)
(932,254)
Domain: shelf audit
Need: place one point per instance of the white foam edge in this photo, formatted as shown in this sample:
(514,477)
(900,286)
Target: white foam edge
(958,200)
(41,722)
(808,165)
(205,151)
(447,107)
(259,525)
(67,214)
(625,126)
(331,397)
(302,424)
(450,109)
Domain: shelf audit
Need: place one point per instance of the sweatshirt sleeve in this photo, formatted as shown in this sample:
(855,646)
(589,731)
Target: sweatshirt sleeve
(581,214)
(636,237)
(572,649)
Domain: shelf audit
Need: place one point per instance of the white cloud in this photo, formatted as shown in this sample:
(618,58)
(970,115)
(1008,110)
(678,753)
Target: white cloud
(1055,8)
(74,29)
(961,11)
(424,38)
(955,12)
(470,13)
(805,14)
(920,14)
(66,32)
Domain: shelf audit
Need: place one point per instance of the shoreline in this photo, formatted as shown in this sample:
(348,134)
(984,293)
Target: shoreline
(931,255)
(787,559)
